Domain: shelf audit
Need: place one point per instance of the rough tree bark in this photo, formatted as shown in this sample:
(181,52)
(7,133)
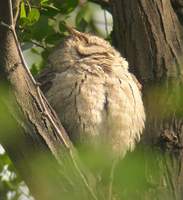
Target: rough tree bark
(30,129)
(149,35)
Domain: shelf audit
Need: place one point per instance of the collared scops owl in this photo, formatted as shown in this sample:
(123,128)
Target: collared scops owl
(95,96)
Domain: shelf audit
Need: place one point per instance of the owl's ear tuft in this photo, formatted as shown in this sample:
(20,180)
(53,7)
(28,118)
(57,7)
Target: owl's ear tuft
(72,30)
(81,36)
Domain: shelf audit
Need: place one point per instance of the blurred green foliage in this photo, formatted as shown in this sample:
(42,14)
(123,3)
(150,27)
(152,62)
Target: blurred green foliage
(11,185)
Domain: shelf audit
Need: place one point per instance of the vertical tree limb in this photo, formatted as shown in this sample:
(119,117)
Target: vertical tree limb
(149,35)
(35,125)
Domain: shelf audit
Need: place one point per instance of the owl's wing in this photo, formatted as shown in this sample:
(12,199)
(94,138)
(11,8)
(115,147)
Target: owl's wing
(78,98)
(136,81)
(125,111)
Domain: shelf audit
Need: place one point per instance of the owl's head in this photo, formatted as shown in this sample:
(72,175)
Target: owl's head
(85,48)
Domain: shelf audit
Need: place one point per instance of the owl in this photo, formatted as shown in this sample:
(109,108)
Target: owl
(97,99)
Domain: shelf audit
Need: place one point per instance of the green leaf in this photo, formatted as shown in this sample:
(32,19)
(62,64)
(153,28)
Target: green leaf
(41,29)
(82,25)
(22,10)
(83,18)
(33,16)
(49,10)
(62,26)
(34,69)
(23,21)
(53,38)
(44,2)
(67,6)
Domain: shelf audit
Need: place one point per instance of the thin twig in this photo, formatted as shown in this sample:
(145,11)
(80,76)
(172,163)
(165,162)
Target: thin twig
(11,12)
(112,178)
(12,29)
(38,44)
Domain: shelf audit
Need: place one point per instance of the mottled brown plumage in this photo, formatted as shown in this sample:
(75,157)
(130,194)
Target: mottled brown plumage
(97,99)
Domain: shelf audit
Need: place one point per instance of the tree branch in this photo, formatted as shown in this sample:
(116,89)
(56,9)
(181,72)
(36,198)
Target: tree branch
(32,105)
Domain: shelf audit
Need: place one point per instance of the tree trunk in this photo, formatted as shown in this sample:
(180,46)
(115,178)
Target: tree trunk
(30,130)
(149,35)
